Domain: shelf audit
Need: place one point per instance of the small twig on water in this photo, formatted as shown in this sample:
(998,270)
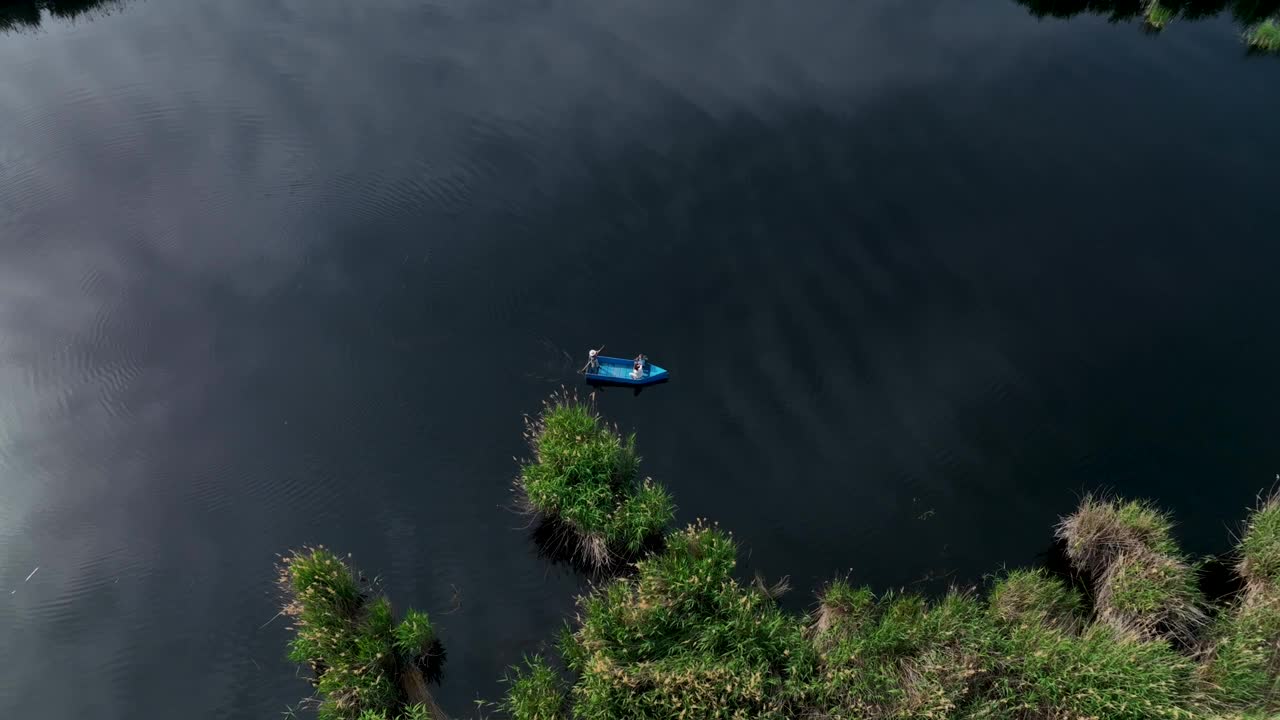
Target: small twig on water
(457,600)
(273,618)
(33,572)
(930,577)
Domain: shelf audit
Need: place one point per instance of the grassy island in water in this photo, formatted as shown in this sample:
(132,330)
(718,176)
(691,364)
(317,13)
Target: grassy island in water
(672,631)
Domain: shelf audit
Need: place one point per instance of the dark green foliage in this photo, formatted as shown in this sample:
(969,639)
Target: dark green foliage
(352,645)
(584,474)
(414,634)
(899,658)
(536,692)
(1259,16)
(1015,656)
(684,638)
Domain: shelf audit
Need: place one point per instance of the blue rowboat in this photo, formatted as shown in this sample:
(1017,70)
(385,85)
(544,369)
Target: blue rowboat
(618,371)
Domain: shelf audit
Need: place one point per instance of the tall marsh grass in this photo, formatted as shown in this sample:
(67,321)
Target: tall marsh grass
(585,475)
(1243,657)
(1143,586)
(683,636)
(364,664)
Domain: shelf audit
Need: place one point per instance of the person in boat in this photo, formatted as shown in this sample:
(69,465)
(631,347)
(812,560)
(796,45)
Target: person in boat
(638,368)
(593,361)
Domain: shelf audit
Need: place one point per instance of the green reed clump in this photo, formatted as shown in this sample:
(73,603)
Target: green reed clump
(1047,662)
(1041,672)
(352,644)
(1025,653)
(1243,660)
(1142,583)
(584,474)
(535,692)
(1265,36)
(1033,597)
(1099,530)
(1158,15)
(897,657)
(1259,549)
(683,638)
(414,634)
(842,608)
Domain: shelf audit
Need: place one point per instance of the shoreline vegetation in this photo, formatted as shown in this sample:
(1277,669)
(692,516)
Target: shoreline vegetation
(1259,18)
(675,633)
(29,14)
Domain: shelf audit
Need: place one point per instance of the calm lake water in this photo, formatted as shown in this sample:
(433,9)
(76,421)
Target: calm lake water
(290,271)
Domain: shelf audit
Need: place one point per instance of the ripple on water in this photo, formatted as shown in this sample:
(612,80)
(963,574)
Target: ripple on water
(93,581)
(23,184)
(211,485)
(309,491)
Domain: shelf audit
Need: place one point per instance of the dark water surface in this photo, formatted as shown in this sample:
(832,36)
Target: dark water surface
(286,272)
